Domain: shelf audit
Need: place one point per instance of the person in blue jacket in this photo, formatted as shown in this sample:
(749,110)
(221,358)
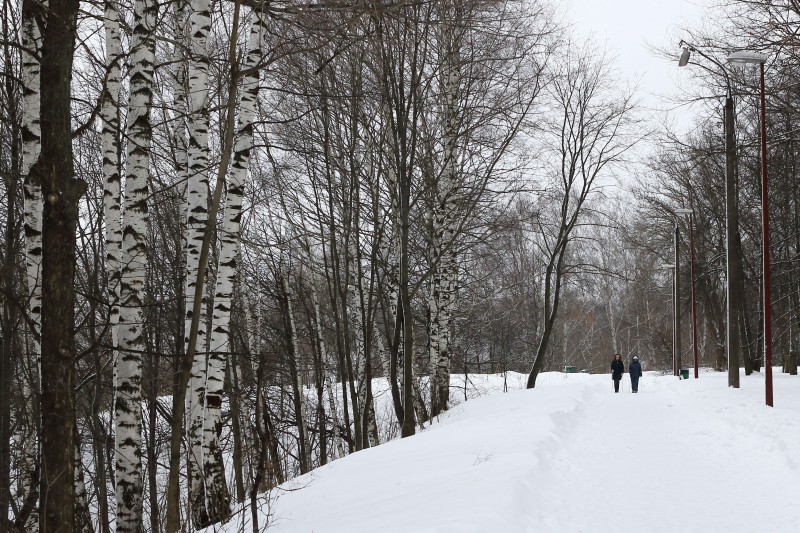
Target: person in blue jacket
(617,369)
(635,370)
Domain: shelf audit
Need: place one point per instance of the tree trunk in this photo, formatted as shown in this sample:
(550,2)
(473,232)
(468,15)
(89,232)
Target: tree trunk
(112,193)
(409,424)
(236,414)
(112,216)
(99,440)
(180,91)
(197,216)
(62,192)
(127,406)
(10,330)
(791,364)
(552,294)
(83,516)
(445,269)
(32,216)
(217,498)
(328,368)
(152,426)
(304,456)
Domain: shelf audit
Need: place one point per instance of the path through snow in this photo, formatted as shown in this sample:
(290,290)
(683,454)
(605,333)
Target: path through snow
(672,458)
(568,457)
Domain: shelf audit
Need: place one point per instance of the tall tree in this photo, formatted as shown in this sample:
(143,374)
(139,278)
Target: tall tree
(591,135)
(128,387)
(217,497)
(61,191)
(112,192)
(32,22)
(197,216)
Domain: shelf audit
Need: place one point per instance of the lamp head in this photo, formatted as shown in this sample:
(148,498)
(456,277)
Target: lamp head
(684,211)
(684,59)
(746,57)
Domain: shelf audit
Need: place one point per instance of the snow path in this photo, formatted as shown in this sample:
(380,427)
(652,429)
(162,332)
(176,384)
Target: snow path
(568,457)
(670,460)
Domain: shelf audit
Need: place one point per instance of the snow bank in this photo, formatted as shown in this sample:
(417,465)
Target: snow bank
(567,456)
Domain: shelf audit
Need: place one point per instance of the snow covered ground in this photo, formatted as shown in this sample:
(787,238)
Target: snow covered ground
(568,456)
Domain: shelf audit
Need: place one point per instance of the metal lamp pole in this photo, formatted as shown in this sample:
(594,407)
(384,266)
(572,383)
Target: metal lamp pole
(760,59)
(732,259)
(690,212)
(676,341)
(676,359)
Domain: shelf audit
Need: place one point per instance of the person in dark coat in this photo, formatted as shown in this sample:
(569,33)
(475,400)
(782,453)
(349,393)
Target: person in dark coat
(617,369)
(635,370)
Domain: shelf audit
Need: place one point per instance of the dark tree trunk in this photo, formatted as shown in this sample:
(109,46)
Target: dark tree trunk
(61,191)
(297,400)
(235,402)
(152,450)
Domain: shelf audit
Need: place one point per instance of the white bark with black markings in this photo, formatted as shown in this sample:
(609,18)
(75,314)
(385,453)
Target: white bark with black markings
(112,191)
(196,218)
(32,217)
(445,270)
(127,404)
(217,498)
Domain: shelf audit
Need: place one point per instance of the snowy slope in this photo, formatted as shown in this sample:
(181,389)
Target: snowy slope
(569,456)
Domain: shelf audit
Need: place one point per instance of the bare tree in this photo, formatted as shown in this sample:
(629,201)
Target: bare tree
(591,136)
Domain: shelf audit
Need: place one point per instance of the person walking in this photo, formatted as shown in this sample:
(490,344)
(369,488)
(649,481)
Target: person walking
(635,370)
(617,369)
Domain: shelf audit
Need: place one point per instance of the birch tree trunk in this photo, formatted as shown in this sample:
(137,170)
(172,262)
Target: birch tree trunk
(445,272)
(127,405)
(612,325)
(197,215)
(112,193)
(217,498)
(32,215)
(180,96)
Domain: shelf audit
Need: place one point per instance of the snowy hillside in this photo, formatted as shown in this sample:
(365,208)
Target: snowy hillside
(569,456)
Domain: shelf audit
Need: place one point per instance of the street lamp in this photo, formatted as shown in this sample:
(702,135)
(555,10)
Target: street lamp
(755,58)
(732,256)
(676,332)
(690,212)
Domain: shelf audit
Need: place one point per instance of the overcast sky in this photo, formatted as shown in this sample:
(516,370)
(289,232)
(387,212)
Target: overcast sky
(628,27)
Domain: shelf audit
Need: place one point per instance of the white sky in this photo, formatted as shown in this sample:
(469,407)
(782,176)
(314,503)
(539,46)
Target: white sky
(627,27)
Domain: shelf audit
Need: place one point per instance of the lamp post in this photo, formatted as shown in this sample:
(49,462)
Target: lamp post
(732,256)
(756,58)
(690,212)
(676,359)
(676,335)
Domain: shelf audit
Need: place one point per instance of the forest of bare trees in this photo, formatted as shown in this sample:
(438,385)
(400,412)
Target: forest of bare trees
(245,238)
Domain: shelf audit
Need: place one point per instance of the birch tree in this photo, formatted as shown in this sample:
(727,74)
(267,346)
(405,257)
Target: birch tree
(490,58)
(127,405)
(32,217)
(217,498)
(197,215)
(112,193)
(445,268)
